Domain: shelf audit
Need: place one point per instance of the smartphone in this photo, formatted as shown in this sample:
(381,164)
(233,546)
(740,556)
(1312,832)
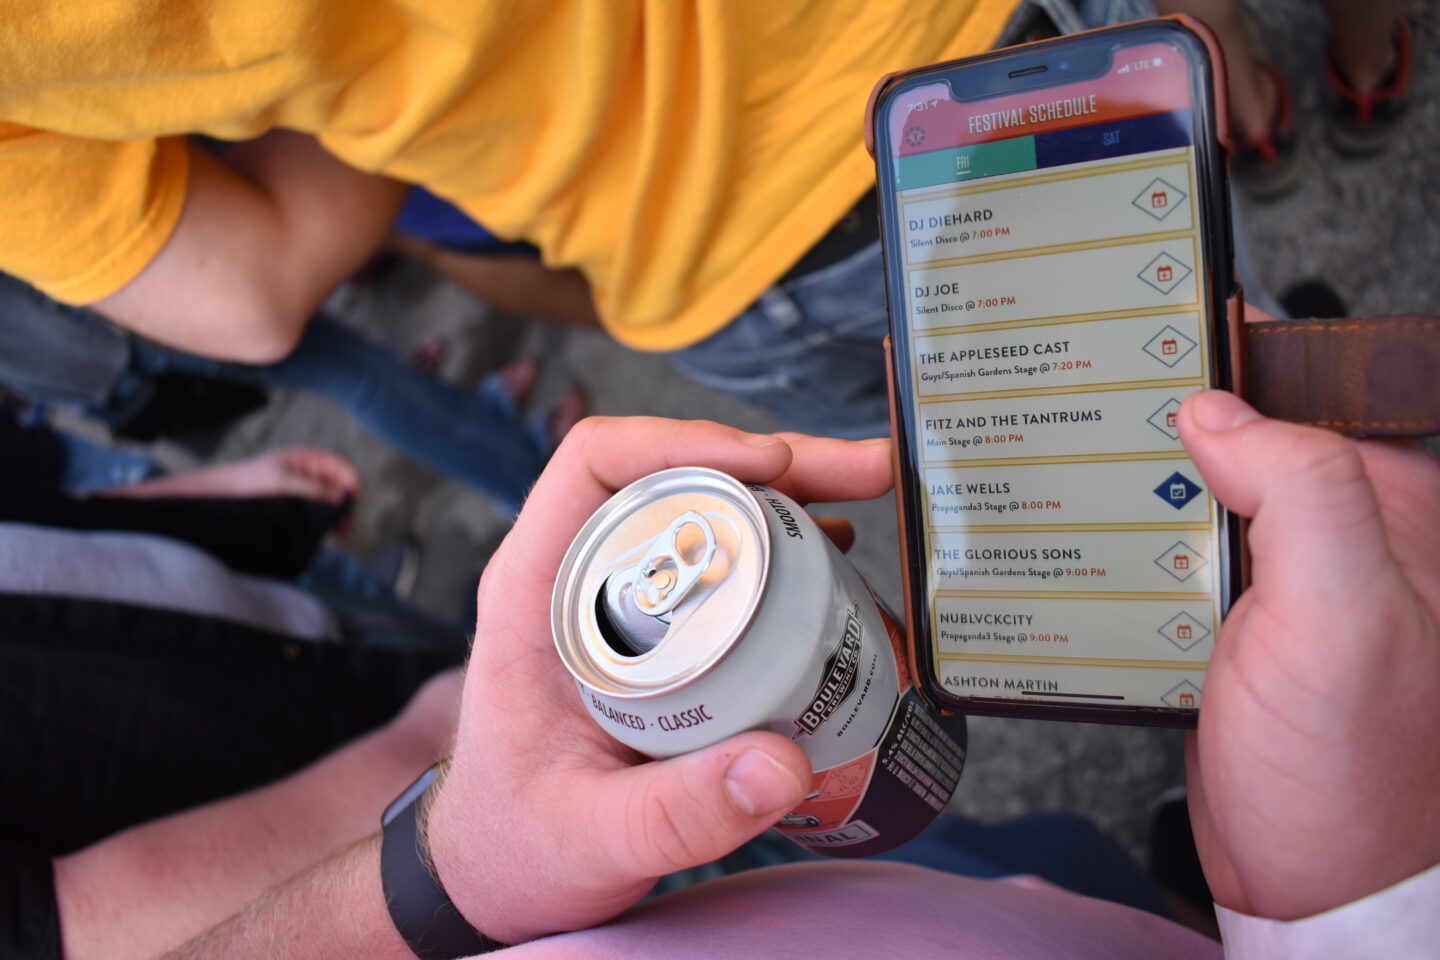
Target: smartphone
(1058,262)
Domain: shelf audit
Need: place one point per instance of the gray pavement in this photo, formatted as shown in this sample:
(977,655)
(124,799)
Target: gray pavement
(1367,227)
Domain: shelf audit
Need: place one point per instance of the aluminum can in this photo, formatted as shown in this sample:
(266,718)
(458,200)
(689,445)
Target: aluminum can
(692,607)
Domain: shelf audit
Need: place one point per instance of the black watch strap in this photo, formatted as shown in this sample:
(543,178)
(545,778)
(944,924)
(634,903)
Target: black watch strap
(419,907)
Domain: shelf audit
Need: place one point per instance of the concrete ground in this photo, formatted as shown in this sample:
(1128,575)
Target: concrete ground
(1365,226)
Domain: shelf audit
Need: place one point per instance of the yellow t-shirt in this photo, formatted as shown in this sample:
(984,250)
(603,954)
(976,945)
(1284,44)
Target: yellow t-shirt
(681,153)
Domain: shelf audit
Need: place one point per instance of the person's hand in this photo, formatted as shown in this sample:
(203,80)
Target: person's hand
(294,472)
(544,823)
(1315,770)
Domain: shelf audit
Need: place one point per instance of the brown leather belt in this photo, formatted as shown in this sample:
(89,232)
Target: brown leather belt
(1362,376)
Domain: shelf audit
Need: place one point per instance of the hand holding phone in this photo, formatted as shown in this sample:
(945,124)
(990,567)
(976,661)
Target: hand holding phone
(1313,775)
(1058,265)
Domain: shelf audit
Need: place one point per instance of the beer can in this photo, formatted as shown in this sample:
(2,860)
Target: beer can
(692,607)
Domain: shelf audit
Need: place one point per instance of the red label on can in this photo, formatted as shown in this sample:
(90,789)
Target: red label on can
(889,794)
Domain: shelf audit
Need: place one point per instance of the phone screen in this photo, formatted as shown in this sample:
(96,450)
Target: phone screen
(1052,307)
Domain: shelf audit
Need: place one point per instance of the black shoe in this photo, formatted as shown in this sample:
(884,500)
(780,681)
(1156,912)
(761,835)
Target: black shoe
(1174,862)
(192,411)
(1313,298)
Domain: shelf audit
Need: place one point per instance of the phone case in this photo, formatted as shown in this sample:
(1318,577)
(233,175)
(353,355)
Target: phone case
(1229,353)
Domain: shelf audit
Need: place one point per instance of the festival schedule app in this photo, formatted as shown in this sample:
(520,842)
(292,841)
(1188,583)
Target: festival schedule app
(1054,299)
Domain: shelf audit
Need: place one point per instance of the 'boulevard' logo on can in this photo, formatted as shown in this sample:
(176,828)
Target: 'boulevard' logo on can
(841,669)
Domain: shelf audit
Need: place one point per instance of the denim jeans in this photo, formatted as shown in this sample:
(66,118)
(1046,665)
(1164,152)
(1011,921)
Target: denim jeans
(370,614)
(65,355)
(809,351)
(90,466)
(475,437)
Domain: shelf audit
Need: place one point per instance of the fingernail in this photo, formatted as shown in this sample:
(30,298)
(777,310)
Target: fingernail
(1218,410)
(760,439)
(758,784)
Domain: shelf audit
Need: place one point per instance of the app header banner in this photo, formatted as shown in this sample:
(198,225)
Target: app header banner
(1146,79)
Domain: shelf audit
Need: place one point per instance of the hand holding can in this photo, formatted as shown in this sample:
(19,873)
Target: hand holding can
(546,823)
(692,607)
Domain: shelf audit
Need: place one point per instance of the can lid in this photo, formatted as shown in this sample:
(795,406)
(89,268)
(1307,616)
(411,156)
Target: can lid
(687,551)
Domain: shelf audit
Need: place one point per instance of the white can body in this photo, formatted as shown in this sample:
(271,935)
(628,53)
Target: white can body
(820,662)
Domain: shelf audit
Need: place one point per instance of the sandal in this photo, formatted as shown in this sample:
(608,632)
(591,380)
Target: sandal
(1268,166)
(1364,123)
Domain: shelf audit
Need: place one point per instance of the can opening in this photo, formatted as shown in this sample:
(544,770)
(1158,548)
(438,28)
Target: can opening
(661,582)
(615,638)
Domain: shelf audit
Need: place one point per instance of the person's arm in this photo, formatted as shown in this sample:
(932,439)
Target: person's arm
(336,909)
(151,888)
(264,237)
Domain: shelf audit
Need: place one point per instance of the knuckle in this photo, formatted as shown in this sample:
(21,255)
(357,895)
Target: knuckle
(1326,458)
(670,833)
(688,439)
(579,437)
(698,429)
(583,431)
(1319,475)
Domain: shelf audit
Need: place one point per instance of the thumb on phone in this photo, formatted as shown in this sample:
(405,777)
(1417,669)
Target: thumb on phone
(1316,521)
(679,813)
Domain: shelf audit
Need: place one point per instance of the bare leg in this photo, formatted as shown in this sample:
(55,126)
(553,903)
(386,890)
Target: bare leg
(1253,96)
(515,285)
(1362,40)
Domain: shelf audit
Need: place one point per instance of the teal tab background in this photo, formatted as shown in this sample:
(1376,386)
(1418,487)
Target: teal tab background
(986,160)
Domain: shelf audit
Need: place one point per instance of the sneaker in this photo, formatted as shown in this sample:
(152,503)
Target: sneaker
(1362,124)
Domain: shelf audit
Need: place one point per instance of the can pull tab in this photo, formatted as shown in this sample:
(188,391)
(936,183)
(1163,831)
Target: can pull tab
(665,576)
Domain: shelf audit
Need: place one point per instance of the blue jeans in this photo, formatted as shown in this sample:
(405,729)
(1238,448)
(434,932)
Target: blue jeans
(90,466)
(370,614)
(475,437)
(65,355)
(809,351)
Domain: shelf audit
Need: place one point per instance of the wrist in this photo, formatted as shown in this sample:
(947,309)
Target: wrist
(421,909)
(462,859)
(1394,922)
(1340,886)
